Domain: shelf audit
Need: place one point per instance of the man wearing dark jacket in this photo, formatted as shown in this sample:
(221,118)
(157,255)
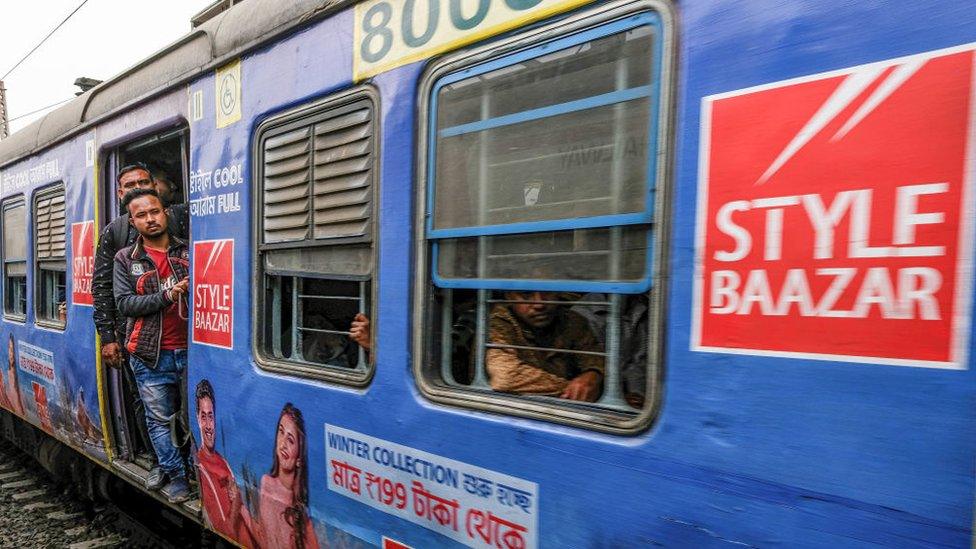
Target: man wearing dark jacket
(111,326)
(150,285)
(117,235)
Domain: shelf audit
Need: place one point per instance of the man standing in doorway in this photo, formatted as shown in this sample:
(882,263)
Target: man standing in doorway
(150,285)
(110,325)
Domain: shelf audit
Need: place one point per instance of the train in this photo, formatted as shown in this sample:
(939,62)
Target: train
(686,273)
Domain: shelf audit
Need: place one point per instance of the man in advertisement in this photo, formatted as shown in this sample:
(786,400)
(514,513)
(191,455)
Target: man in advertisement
(150,286)
(219,493)
(110,325)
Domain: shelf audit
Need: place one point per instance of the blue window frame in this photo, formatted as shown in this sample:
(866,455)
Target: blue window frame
(568,219)
(543,184)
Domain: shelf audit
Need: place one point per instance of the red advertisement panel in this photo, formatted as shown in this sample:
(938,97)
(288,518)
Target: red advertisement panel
(213,293)
(82,262)
(835,215)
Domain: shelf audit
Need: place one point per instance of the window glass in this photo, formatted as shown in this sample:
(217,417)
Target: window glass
(14,232)
(15,258)
(562,136)
(603,254)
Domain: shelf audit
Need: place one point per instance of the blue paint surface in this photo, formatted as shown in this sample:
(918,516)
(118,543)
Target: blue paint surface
(746,451)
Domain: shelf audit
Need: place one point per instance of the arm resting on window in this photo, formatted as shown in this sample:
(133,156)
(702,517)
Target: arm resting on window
(507,373)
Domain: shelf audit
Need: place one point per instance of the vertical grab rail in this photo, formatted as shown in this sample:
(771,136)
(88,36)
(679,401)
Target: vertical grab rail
(447,323)
(361,357)
(481,334)
(612,391)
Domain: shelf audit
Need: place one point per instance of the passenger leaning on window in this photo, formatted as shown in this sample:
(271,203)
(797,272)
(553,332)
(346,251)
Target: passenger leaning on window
(151,283)
(529,321)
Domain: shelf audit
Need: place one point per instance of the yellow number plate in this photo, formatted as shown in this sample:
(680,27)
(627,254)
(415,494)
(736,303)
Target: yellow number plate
(390,33)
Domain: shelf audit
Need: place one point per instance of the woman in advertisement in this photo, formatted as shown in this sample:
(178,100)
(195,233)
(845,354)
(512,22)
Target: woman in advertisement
(283,510)
(11,389)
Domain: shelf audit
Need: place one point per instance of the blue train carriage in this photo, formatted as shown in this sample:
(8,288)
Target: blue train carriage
(555,232)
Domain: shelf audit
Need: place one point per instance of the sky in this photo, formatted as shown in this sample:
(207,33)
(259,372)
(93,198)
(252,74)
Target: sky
(101,40)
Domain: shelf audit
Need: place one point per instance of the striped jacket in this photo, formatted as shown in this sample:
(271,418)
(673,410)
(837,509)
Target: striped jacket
(536,371)
(139,298)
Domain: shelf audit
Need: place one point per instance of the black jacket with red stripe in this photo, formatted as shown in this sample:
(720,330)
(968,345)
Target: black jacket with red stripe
(139,298)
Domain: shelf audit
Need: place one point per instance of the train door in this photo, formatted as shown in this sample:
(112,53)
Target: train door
(165,155)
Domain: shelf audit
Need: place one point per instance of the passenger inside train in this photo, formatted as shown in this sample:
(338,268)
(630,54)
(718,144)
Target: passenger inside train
(551,344)
(538,346)
(325,319)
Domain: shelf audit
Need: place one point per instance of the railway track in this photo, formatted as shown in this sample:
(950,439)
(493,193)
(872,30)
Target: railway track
(37,510)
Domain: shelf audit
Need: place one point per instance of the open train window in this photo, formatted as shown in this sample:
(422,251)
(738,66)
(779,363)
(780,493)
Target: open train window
(14,258)
(49,257)
(315,260)
(544,187)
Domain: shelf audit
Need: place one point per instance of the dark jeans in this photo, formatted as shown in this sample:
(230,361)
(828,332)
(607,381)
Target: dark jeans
(159,388)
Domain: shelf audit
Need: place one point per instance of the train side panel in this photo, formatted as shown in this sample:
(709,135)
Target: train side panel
(57,386)
(747,449)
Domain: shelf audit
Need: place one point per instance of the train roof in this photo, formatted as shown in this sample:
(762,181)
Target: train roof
(242,27)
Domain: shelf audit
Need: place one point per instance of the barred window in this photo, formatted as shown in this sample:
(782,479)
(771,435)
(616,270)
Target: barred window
(315,266)
(49,257)
(542,191)
(15,258)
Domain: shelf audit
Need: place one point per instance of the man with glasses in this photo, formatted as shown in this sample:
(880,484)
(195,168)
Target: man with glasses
(110,325)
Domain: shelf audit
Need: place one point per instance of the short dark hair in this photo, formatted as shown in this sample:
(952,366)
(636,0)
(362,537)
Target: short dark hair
(132,167)
(138,193)
(205,390)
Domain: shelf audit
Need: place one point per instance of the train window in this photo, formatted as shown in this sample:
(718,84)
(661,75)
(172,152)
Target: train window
(15,258)
(49,257)
(543,185)
(316,259)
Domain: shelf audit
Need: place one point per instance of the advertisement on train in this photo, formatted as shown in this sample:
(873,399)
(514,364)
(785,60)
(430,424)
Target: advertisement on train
(35,389)
(838,226)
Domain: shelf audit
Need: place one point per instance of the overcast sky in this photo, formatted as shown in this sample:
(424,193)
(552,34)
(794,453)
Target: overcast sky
(104,38)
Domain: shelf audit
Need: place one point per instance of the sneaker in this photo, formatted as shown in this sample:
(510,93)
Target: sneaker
(177,491)
(156,479)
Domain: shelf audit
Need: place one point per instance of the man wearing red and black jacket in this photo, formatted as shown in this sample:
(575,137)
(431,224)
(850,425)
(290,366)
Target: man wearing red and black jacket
(117,235)
(110,325)
(150,285)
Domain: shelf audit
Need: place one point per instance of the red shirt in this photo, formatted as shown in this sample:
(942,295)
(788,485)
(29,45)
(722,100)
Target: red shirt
(174,327)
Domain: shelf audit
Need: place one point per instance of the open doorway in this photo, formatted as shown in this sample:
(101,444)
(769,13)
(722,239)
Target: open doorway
(165,156)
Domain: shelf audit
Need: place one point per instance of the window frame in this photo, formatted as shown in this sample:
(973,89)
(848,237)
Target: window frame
(581,415)
(294,118)
(39,195)
(14,201)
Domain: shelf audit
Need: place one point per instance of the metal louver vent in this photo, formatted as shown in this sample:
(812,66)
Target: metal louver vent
(286,173)
(318,180)
(50,226)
